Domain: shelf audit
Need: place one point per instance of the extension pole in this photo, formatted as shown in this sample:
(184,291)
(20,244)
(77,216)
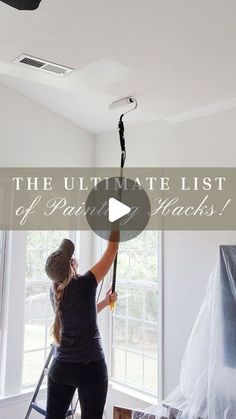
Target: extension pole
(122,164)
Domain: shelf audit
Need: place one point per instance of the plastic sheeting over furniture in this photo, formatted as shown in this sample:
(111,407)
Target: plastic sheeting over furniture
(207,388)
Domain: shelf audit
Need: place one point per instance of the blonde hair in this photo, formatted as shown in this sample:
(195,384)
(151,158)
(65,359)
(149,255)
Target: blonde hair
(59,288)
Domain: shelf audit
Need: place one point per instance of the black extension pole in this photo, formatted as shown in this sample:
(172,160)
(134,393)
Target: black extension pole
(23,4)
(122,163)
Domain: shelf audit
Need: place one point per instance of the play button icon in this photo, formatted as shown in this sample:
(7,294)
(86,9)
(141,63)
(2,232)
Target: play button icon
(118,200)
(117,210)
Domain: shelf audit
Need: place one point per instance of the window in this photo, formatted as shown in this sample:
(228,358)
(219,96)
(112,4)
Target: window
(2,257)
(38,311)
(28,314)
(135,320)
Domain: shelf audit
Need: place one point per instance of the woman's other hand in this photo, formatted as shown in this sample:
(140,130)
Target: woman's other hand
(111,297)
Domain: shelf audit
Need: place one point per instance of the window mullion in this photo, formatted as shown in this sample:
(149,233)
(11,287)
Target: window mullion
(139,284)
(12,353)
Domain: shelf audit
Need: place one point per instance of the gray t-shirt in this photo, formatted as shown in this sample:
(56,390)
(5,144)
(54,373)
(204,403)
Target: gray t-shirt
(80,337)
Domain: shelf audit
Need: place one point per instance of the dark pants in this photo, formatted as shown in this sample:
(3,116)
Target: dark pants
(91,381)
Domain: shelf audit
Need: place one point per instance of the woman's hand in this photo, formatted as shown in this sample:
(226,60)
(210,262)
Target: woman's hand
(111,297)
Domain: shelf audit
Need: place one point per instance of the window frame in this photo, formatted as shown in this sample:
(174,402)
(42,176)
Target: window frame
(13,326)
(160,343)
(2,275)
(46,319)
(8,386)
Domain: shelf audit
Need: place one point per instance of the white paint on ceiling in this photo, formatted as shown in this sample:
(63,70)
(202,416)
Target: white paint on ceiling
(174,57)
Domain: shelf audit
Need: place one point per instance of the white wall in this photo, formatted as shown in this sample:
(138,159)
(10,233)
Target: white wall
(30,135)
(16,409)
(188,256)
(207,141)
(33,136)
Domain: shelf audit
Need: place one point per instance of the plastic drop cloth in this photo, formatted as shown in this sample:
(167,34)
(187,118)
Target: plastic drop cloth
(207,387)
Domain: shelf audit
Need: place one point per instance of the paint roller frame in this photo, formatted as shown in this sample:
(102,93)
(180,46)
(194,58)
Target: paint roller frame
(124,102)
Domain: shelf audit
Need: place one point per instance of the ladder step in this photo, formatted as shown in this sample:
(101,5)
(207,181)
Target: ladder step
(40,406)
(36,406)
(42,409)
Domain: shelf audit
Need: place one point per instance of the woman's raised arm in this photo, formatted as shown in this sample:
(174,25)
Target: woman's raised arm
(101,268)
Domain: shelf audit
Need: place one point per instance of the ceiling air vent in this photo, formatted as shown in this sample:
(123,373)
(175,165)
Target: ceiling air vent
(43,65)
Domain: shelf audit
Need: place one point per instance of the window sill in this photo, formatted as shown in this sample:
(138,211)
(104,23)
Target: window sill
(24,396)
(150,400)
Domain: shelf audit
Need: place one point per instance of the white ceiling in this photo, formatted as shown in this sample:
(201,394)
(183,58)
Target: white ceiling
(173,56)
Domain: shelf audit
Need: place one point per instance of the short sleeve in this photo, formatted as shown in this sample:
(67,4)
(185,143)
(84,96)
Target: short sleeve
(90,276)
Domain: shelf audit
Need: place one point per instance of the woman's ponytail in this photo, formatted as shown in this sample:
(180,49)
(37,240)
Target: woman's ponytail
(58,288)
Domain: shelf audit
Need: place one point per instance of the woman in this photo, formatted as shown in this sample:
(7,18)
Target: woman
(79,361)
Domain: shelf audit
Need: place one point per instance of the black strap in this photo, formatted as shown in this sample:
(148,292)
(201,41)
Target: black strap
(23,4)
(122,142)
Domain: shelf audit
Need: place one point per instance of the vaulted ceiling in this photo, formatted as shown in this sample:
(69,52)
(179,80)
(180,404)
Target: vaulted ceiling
(173,56)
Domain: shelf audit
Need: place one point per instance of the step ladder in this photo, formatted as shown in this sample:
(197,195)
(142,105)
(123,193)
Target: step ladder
(39,407)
